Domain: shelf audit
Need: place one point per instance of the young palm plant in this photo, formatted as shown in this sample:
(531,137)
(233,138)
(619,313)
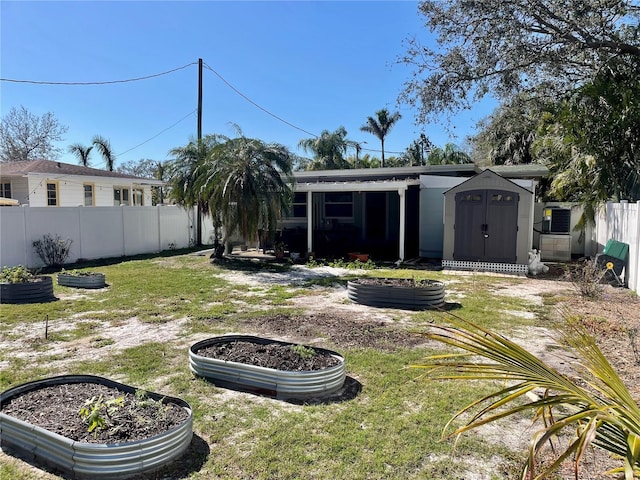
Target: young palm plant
(601,412)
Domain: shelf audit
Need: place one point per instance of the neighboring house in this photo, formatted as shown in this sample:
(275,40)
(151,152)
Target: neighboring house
(390,213)
(45,183)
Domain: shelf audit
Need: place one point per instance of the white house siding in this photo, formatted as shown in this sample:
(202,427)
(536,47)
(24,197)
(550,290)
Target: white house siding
(71,190)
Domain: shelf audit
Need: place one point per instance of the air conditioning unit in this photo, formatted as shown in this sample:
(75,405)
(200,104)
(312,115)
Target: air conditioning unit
(556,220)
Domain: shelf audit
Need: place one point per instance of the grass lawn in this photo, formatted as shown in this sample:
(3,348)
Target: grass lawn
(139,329)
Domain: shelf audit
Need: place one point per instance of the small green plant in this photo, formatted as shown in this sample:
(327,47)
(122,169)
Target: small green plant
(53,251)
(96,411)
(17,274)
(77,273)
(304,352)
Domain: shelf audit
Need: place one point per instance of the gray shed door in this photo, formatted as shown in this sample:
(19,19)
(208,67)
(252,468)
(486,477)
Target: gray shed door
(486,226)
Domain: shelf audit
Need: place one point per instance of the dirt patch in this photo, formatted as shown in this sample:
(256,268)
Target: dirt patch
(339,329)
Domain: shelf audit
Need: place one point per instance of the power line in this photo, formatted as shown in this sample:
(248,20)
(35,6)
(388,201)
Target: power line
(159,133)
(36,82)
(256,105)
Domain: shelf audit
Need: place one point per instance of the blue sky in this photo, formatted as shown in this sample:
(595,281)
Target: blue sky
(316,65)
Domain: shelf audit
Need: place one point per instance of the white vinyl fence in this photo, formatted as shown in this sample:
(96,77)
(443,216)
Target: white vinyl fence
(96,232)
(621,222)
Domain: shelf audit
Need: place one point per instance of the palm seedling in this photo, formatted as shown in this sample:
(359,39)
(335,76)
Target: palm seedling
(595,406)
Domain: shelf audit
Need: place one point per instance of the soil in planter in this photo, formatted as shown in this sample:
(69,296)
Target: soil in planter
(276,356)
(56,409)
(397,282)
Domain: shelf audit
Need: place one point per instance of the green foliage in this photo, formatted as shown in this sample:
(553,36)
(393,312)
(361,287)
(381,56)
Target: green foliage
(53,250)
(303,351)
(18,274)
(329,150)
(450,154)
(504,48)
(595,405)
(96,411)
(380,125)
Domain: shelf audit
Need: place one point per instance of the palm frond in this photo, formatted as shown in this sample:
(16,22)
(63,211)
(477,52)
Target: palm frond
(602,412)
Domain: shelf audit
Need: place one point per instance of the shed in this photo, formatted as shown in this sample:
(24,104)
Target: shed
(488,224)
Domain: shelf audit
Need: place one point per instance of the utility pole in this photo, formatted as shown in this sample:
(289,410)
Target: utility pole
(199,210)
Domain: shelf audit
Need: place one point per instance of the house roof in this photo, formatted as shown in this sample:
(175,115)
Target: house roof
(407,173)
(49,167)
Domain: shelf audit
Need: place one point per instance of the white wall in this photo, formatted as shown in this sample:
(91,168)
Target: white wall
(96,232)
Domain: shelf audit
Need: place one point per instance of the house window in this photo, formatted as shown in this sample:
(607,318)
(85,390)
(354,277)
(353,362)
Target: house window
(338,205)
(300,205)
(138,196)
(88,195)
(52,194)
(5,190)
(120,196)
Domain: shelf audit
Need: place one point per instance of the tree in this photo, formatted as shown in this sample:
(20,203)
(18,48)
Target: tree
(249,183)
(450,154)
(507,136)
(104,147)
(329,150)
(149,169)
(26,136)
(381,125)
(81,152)
(543,47)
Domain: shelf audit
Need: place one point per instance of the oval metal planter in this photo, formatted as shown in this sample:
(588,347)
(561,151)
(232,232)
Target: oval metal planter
(92,460)
(93,280)
(38,291)
(390,296)
(276,383)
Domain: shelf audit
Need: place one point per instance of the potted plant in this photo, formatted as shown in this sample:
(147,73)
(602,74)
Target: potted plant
(19,285)
(81,279)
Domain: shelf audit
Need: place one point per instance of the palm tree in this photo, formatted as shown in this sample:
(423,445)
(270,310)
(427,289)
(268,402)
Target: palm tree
(329,149)
(249,183)
(81,152)
(448,155)
(381,125)
(594,405)
(104,147)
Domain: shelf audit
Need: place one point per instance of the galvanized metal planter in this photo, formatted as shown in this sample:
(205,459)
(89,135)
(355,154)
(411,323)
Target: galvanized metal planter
(269,381)
(422,297)
(92,280)
(92,460)
(39,290)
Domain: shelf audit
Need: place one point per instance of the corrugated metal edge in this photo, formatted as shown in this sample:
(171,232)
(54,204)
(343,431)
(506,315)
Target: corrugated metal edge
(408,298)
(278,383)
(29,292)
(95,280)
(93,460)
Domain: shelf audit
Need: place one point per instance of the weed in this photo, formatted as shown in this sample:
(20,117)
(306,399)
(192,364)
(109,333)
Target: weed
(586,279)
(304,352)
(96,411)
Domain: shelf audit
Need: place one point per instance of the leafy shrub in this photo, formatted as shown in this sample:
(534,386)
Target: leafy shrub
(54,251)
(17,274)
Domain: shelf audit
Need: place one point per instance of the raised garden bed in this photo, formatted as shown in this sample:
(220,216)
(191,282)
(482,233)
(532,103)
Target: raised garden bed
(42,422)
(37,290)
(81,280)
(397,293)
(270,367)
